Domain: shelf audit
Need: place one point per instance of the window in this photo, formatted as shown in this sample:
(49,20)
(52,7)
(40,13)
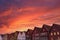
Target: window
(57,33)
(36,34)
(51,33)
(45,33)
(43,38)
(54,33)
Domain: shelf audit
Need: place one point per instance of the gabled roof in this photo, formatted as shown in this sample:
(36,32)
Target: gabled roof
(47,27)
(56,26)
(29,31)
(17,31)
(36,28)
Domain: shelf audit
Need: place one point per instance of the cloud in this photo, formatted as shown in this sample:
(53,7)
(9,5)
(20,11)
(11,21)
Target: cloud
(19,14)
(50,17)
(6,4)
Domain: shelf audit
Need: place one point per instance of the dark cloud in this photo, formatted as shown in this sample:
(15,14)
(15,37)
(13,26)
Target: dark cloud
(6,4)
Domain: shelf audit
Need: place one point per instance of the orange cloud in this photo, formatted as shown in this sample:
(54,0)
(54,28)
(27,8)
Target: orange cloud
(29,17)
(21,15)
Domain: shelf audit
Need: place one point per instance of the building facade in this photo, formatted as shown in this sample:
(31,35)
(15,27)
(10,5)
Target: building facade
(44,35)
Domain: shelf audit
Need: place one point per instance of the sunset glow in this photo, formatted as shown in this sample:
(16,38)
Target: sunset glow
(20,15)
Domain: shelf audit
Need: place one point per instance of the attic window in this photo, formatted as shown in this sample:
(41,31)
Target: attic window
(57,33)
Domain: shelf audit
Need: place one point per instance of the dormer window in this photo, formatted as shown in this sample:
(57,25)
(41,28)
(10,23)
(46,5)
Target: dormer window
(57,33)
(54,33)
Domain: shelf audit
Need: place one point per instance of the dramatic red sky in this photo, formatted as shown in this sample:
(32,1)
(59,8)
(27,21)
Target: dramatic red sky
(26,14)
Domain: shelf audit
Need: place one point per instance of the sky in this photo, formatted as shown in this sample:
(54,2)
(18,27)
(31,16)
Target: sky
(20,15)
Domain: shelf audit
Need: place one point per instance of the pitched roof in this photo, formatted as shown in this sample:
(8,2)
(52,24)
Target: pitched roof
(47,27)
(29,31)
(57,26)
(36,28)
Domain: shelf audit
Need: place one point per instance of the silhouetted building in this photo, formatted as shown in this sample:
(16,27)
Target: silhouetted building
(36,33)
(44,33)
(29,34)
(54,32)
(13,36)
(21,36)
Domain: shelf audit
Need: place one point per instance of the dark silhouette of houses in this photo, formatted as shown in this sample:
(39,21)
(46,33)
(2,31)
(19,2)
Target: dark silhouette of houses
(29,34)
(44,33)
(13,36)
(54,32)
(36,33)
